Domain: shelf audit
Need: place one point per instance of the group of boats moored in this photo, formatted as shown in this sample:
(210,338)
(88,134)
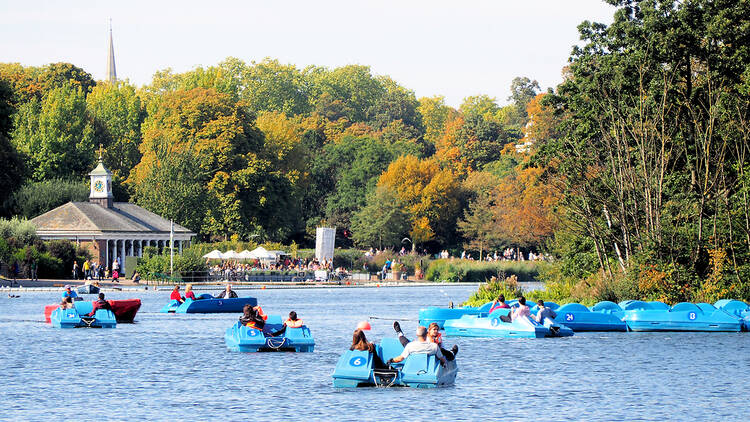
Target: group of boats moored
(631,315)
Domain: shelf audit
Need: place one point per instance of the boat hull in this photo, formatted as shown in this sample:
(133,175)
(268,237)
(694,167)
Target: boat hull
(209,306)
(493,327)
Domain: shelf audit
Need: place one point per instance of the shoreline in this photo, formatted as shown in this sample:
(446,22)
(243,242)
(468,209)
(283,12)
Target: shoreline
(57,285)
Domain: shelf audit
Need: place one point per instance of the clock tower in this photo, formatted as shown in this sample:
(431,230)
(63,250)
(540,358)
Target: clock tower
(101,185)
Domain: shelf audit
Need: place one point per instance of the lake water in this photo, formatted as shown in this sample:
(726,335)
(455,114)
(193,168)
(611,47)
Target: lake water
(177,367)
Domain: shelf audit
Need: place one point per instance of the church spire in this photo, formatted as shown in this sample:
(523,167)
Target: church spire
(111,72)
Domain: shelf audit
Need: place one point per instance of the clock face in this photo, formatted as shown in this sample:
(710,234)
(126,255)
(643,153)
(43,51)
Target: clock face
(99,186)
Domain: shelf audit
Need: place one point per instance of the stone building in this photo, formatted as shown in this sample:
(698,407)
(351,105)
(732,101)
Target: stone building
(109,230)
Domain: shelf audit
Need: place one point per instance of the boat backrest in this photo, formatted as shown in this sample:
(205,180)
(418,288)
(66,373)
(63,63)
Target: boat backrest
(301,332)
(205,296)
(572,307)
(274,320)
(606,305)
(485,308)
(706,307)
(686,307)
(390,348)
(83,306)
(497,312)
(732,306)
(418,363)
(629,305)
(656,305)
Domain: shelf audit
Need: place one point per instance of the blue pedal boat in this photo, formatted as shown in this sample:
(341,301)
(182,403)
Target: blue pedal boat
(240,338)
(355,369)
(440,315)
(737,308)
(77,317)
(683,316)
(492,326)
(580,318)
(208,305)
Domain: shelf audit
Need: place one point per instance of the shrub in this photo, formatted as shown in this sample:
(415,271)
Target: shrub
(453,270)
(495,287)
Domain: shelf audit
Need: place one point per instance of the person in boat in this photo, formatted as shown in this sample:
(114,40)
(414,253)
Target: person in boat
(253,317)
(99,304)
(499,303)
(420,346)
(544,312)
(433,336)
(227,293)
(189,292)
(68,292)
(291,322)
(67,303)
(521,311)
(359,342)
(176,294)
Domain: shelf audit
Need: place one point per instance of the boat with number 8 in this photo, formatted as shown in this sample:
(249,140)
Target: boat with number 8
(683,316)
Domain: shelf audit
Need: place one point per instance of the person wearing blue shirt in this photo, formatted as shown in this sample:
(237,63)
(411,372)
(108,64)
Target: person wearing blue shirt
(68,292)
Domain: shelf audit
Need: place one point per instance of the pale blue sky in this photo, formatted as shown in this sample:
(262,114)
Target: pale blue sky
(449,48)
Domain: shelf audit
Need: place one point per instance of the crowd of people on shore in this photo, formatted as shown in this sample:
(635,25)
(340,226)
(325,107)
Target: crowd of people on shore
(234,270)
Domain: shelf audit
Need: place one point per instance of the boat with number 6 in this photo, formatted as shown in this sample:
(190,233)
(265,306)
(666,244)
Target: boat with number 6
(355,368)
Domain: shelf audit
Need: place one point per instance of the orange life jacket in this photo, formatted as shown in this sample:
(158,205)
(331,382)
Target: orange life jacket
(437,340)
(260,312)
(293,324)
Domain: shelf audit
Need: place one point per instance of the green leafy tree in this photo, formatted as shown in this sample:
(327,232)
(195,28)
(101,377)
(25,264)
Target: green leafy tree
(382,222)
(118,113)
(55,135)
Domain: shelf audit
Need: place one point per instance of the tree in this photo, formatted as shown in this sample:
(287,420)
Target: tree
(382,222)
(117,112)
(55,134)
(478,225)
(209,131)
(12,174)
(435,115)
(353,87)
(432,197)
(523,90)
(396,104)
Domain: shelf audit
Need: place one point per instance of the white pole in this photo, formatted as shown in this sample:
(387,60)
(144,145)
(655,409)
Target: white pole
(171,248)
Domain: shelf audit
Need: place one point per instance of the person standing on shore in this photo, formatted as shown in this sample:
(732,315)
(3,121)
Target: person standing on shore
(34,267)
(75,270)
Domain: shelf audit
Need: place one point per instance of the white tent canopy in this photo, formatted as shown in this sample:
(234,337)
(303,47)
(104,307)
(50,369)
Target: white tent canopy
(230,255)
(261,253)
(214,254)
(245,254)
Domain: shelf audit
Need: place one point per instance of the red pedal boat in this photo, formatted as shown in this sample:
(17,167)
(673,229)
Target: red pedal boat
(124,310)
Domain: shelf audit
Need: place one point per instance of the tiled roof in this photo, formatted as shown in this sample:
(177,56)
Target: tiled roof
(90,217)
